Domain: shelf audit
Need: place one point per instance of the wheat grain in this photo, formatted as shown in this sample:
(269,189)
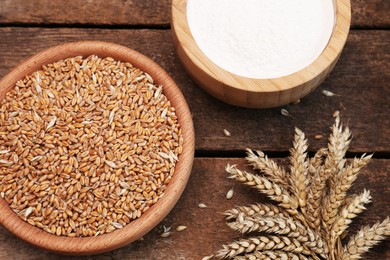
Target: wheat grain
(284,112)
(226,132)
(165,234)
(83,138)
(181,228)
(329,93)
(202,205)
(230,193)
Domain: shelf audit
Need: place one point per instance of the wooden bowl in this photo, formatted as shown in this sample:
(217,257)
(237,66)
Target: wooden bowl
(139,227)
(256,93)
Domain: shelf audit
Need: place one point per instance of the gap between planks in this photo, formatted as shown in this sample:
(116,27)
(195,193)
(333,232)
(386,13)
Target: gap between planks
(158,26)
(162,26)
(276,154)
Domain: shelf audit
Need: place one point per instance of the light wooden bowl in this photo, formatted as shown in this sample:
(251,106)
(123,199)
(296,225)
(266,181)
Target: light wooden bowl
(153,216)
(256,93)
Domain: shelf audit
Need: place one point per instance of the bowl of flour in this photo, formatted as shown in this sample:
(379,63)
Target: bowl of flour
(259,53)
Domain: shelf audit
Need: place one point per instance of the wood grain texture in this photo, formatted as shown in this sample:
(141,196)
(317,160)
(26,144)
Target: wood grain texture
(374,13)
(207,230)
(360,77)
(102,12)
(365,13)
(153,216)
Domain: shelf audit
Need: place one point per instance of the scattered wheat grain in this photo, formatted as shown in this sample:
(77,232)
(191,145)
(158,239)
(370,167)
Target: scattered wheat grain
(230,193)
(181,228)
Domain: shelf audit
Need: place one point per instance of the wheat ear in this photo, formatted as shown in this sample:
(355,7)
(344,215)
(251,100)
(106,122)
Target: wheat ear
(317,160)
(299,168)
(266,210)
(316,193)
(261,243)
(366,238)
(347,213)
(339,188)
(338,145)
(268,167)
(280,255)
(263,185)
(281,226)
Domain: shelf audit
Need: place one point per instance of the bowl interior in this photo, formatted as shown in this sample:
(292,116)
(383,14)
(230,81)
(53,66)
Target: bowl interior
(149,219)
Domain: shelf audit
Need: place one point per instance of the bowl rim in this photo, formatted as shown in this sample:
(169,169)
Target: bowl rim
(183,36)
(155,214)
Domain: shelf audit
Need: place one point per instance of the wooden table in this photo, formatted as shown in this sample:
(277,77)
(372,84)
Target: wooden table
(361,77)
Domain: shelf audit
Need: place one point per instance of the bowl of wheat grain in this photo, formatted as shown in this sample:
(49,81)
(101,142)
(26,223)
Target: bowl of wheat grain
(96,147)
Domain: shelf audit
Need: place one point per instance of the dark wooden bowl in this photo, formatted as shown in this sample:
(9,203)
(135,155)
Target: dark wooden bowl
(153,216)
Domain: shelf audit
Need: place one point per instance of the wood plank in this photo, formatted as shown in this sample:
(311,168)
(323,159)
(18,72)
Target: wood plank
(102,12)
(361,78)
(207,230)
(365,13)
(374,13)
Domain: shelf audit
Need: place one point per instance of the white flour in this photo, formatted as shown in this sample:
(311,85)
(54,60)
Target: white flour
(261,38)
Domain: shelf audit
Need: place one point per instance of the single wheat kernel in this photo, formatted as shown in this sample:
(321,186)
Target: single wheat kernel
(202,205)
(165,234)
(230,193)
(226,132)
(284,112)
(181,228)
(328,93)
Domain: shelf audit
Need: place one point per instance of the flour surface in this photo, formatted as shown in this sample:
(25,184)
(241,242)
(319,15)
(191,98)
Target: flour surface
(261,38)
